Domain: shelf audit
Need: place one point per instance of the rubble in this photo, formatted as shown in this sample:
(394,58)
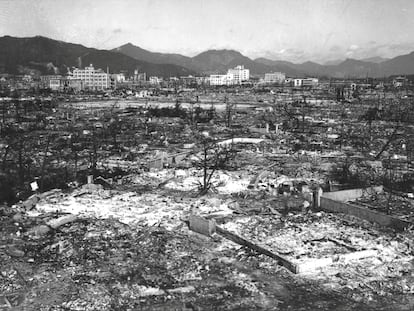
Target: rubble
(121,241)
(117,232)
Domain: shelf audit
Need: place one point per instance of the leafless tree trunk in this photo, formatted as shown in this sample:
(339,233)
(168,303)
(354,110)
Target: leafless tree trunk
(42,171)
(213,157)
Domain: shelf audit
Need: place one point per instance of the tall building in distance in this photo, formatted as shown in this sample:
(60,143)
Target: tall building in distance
(140,76)
(234,76)
(93,79)
(305,82)
(274,77)
(240,74)
(226,79)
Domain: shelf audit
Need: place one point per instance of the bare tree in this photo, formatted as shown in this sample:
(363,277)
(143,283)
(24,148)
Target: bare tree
(44,162)
(74,145)
(210,157)
(229,111)
(114,128)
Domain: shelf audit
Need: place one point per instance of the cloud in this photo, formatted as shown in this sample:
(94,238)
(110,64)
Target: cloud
(289,54)
(117,30)
(335,48)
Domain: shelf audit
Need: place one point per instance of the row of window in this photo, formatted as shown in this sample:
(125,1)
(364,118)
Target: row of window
(90,75)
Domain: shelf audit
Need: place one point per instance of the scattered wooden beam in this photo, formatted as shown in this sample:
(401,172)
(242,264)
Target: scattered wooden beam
(244,242)
(55,223)
(208,227)
(52,225)
(311,265)
(336,241)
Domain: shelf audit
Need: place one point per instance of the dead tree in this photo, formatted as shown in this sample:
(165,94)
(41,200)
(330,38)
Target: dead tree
(390,139)
(229,112)
(114,129)
(74,145)
(93,151)
(44,162)
(210,157)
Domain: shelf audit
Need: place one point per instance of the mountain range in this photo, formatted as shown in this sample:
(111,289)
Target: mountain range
(44,55)
(214,61)
(47,56)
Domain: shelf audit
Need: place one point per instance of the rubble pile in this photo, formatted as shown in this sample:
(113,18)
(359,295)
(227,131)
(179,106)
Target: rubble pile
(365,263)
(103,264)
(126,248)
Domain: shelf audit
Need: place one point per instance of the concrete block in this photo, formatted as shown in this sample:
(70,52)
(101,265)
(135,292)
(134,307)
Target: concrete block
(31,202)
(346,258)
(202,225)
(92,187)
(39,230)
(90,179)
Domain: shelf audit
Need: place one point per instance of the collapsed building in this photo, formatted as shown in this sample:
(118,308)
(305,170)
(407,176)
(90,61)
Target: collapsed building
(283,227)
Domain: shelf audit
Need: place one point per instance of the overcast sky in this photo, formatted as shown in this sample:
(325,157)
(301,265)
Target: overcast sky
(294,30)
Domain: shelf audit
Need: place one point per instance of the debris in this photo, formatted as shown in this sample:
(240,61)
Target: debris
(341,243)
(4,302)
(92,187)
(52,225)
(242,241)
(56,223)
(14,252)
(181,290)
(208,227)
(201,225)
(346,258)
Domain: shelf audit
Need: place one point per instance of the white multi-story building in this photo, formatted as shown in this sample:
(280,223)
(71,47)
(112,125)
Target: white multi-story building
(45,80)
(305,82)
(227,79)
(239,74)
(236,75)
(399,81)
(118,77)
(274,77)
(154,80)
(95,79)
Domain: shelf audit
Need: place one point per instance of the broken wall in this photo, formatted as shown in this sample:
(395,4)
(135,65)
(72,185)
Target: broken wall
(351,194)
(331,205)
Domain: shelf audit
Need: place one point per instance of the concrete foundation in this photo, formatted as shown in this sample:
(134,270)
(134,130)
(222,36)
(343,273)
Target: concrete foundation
(330,205)
(351,194)
(312,265)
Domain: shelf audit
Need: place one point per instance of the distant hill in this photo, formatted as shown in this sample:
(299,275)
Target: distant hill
(400,65)
(288,68)
(153,57)
(212,61)
(333,62)
(375,59)
(48,56)
(218,61)
(351,68)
